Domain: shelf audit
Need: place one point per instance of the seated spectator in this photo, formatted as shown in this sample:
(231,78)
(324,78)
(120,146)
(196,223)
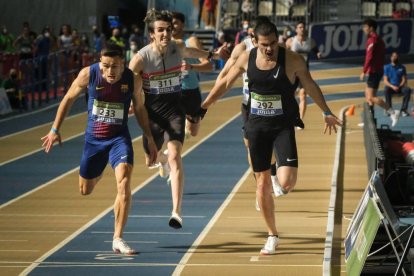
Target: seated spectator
(395,80)
(11,85)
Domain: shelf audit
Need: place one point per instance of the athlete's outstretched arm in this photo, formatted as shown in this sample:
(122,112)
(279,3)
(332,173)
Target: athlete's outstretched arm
(314,91)
(223,85)
(75,89)
(205,65)
(141,114)
(190,52)
(237,51)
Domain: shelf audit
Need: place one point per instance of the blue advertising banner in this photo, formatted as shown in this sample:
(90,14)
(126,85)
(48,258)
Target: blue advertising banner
(346,39)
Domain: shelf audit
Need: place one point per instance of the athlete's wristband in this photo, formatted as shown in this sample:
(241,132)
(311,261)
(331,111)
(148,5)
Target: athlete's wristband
(327,113)
(54,130)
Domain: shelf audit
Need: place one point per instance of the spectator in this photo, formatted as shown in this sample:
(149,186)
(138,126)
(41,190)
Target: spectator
(98,39)
(136,36)
(287,33)
(116,38)
(11,85)
(133,49)
(42,50)
(65,37)
(374,69)
(24,44)
(210,5)
(243,33)
(6,41)
(27,25)
(247,9)
(395,80)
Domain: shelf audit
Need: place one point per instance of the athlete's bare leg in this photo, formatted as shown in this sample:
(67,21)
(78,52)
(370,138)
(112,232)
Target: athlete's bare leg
(122,204)
(176,174)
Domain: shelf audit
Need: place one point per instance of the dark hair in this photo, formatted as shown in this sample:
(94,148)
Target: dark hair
(258,20)
(112,50)
(300,22)
(265,29)
(371,23)
(178,15)
(154,15)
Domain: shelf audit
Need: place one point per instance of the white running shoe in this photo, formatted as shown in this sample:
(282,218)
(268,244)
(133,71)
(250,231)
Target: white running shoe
(270,246)
(175,221)
(277,189)
(120,246)
(164,168)
(257,204)
(394,117)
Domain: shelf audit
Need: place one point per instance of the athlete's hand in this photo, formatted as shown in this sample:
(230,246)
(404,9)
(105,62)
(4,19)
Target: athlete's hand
(50,139)
(331,121)
(223,51)
(201,112)
(153,152)
(362,76)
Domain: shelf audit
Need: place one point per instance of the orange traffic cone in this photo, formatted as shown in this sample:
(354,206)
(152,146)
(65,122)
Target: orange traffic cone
(350,111)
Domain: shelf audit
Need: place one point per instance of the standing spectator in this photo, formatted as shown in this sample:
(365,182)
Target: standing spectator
(65,40)
(211,17)
(98,40)
(200,12)
(374,69)
(247,9)
(11,85)
(24,44)
(6,41)
(287,33)
(42,50)
(136,36)
(133,49)
(116,38)
(31,32)
(395,80)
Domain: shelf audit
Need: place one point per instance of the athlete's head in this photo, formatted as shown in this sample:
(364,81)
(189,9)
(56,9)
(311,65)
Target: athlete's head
(178,21)
(266,37)
(159,26)
(256,21)
(369,26)
(112,62)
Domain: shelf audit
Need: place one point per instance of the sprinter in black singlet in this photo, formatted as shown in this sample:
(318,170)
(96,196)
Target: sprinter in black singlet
(273,75)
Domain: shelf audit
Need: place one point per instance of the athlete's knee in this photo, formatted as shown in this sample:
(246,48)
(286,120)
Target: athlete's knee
(85,189)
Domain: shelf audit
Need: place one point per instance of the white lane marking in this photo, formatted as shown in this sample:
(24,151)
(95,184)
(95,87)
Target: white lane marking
(145,233)
(34,231)
(136,241)
(13,240)
(41,215)
(160,216)
(200,238)
(254,259)
(109,209)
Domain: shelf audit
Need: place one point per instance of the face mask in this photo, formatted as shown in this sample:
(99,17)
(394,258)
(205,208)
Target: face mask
(133,48)
(47,34)
(4,31)
(245,26)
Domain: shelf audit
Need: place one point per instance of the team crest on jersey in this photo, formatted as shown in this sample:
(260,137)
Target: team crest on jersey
(124,88)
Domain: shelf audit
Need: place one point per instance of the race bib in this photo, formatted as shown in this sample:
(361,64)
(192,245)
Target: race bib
(111,113)
(164,84)
(265,105)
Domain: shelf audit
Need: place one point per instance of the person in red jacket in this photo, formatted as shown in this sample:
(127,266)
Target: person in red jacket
(374,69)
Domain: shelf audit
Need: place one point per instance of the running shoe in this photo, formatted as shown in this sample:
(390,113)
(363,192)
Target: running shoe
(277,189)
(270,246)
(120,246)
(404,113)
(394,118)
(164,168)
(175,221)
